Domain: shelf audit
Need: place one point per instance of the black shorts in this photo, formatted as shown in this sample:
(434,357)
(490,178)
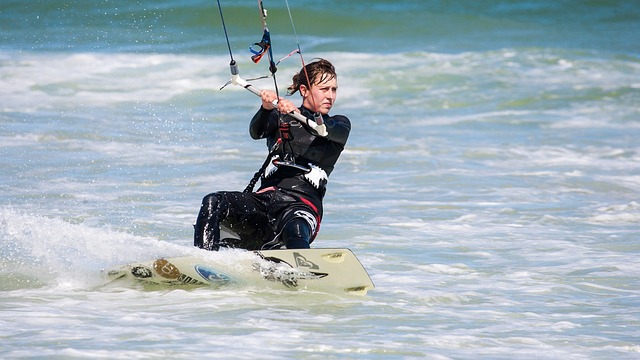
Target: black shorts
(255,221)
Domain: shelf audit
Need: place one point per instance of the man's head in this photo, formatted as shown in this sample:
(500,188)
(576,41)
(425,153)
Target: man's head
(317,82)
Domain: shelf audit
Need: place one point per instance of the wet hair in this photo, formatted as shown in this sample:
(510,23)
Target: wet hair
(319,71)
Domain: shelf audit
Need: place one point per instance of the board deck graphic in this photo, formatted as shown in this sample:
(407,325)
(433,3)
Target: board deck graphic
(314,269)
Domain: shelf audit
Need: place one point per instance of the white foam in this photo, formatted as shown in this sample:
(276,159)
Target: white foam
(56,252)
(33,81)
(617,214)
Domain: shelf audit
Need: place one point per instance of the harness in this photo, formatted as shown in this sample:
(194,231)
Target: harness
(283,156)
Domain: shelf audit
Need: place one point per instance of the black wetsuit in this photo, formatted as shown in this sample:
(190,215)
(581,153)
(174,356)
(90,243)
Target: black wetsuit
(287,208)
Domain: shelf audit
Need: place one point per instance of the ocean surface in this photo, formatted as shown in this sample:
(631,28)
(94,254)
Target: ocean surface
(490,186)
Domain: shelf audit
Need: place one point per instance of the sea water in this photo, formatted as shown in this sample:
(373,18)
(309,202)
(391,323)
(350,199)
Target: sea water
(490,185)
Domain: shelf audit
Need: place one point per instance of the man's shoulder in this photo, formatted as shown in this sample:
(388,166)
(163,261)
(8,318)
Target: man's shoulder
(341,120)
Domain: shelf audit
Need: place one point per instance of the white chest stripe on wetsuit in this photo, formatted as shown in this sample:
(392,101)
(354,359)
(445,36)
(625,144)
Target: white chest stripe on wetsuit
(314,174)
(271,168)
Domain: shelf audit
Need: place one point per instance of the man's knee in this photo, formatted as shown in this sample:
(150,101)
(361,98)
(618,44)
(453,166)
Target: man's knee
(211,202)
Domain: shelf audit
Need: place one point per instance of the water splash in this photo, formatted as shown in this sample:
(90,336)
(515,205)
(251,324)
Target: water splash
(39,251)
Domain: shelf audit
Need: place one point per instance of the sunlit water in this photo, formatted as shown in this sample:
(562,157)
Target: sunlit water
(490,185)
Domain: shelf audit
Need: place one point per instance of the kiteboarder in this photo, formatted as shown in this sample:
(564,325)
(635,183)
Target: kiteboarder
(286,210)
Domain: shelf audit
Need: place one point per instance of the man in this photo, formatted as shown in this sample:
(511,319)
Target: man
(287,208)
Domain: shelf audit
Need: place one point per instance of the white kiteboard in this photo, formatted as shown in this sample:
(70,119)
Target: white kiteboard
(330,270)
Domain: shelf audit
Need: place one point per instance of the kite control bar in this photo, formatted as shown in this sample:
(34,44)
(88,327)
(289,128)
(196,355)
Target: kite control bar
(318,126)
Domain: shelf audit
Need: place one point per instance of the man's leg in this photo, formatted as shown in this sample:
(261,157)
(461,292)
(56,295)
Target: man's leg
(207,227)
(241,215)
(297,234)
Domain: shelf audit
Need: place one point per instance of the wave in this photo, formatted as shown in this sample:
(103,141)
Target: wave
(38,251)
(508,81)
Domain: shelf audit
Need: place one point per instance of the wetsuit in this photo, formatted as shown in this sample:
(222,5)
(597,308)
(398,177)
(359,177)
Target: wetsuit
(287,208)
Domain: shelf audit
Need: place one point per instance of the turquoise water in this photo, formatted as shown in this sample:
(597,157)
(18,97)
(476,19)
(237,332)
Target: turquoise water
(490,185)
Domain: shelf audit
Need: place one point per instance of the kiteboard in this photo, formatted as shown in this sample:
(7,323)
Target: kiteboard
(327,270)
